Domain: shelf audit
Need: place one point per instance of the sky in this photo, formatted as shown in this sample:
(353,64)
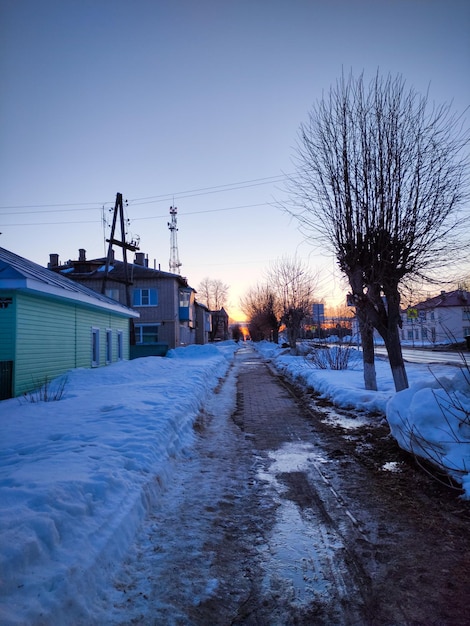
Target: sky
(196,105)
(125,439)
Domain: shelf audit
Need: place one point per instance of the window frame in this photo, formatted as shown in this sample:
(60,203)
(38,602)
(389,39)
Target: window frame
(138,297)
(120,345)
(95,346)
(139,334)
(109,345)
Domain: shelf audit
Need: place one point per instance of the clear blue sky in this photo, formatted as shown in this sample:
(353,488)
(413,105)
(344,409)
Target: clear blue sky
(188,100)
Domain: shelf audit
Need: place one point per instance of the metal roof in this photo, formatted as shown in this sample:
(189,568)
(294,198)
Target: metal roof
(19,273)
(459,297)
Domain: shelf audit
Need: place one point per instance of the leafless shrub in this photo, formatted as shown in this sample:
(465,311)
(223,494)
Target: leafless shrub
(326,358)
(47,391)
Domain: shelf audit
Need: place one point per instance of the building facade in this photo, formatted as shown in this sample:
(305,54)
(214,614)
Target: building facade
(49,325)
(165,302)
(442,319)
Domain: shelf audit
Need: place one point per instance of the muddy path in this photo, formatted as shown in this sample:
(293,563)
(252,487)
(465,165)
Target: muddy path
(287,512)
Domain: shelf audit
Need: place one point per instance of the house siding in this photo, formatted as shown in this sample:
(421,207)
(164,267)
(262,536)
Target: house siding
(53,337)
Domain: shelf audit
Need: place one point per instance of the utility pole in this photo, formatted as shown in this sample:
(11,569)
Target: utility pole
(132,246)
(174,257)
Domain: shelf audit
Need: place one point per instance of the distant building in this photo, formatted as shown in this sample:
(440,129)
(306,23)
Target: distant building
(219,325)
(442,319)
(50,324)
(203,323)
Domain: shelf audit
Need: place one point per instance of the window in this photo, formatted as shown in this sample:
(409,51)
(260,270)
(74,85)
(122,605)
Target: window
(145,297)
(424,333)
(109,345)
(113,294)
(466,331)
(410,335)
(146,333)
(185,298)
(95,347)
(120,345)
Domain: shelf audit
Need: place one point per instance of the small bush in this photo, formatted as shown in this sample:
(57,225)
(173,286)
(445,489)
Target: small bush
(48,391)
(335,358)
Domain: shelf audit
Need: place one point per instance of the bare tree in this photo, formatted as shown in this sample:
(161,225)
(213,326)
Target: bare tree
(213,293)
(381,178)
(263,312)
(293,284)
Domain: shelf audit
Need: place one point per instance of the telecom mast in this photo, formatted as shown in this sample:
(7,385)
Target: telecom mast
(174,257)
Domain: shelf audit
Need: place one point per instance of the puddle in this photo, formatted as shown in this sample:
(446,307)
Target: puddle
(298,557)
(300,551)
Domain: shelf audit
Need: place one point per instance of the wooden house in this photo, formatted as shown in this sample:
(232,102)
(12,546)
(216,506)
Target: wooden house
(50,324)
(203,323)
(164,301)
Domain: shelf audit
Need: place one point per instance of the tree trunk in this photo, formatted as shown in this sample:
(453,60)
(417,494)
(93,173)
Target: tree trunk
(395,357)
(368,356)
(275,334)
(391,336)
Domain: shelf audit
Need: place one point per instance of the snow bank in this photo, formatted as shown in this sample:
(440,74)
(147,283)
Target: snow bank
(77,476)
(433,422)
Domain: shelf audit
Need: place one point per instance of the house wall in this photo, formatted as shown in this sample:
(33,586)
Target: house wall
(164,313)
(53,336)
(173,331)
(438,325)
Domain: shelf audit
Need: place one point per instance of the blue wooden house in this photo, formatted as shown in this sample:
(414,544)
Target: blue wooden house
(50,324)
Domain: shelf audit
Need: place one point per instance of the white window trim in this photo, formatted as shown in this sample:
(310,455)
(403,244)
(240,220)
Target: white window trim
(95,346)
(109,346)
(120,345)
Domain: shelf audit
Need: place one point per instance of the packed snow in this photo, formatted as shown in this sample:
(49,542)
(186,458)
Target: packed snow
(79,475)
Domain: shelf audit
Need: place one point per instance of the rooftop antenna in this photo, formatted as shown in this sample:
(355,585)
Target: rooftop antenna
(174,257)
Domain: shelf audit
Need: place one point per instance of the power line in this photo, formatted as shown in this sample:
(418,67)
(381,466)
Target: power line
(255,182)
(151,217)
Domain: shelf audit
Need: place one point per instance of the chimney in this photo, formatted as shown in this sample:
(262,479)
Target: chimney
(53,260)
(81,254)
(140,258)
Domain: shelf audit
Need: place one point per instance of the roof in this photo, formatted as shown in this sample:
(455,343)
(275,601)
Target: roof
(95,268)
(459,297)
(19,274)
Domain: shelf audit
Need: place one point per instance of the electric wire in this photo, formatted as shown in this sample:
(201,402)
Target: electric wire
(87,206)
(149,217)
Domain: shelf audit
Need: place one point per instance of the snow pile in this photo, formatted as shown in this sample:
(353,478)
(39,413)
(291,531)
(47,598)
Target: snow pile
(78,476)
(430,419)
(433,422)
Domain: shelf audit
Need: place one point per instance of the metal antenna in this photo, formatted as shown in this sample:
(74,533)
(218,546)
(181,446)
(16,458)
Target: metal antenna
(174,257)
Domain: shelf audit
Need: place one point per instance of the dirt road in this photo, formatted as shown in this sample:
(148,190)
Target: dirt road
(287,513)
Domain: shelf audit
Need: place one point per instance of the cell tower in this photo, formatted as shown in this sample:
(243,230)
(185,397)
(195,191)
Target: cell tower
(174,257)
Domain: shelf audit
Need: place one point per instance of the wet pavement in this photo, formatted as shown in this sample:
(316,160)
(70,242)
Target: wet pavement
(277,518)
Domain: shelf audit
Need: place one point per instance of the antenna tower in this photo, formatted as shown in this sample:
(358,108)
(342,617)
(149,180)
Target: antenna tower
(174,257)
